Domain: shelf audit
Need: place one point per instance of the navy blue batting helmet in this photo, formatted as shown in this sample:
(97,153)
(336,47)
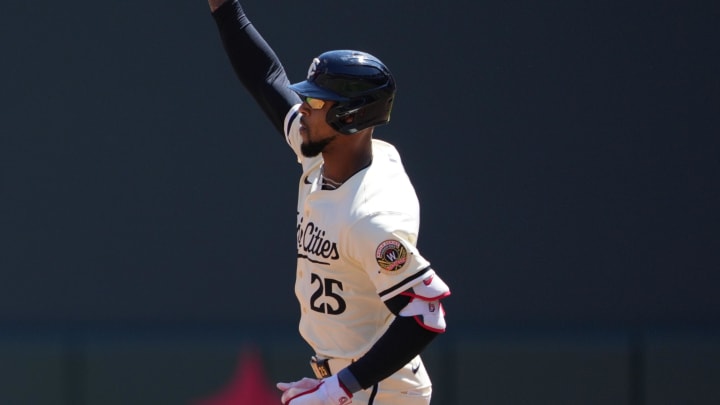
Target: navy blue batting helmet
(360,84)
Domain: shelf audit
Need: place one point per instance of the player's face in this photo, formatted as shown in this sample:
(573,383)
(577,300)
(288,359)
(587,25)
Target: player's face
(315,131)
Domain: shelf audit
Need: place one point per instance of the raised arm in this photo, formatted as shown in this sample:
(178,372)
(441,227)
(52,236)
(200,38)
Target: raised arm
(254,62)
(215,4)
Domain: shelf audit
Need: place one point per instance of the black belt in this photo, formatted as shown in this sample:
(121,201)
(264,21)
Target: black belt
(320,367)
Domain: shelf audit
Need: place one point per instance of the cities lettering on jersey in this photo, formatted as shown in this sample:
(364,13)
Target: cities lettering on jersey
(311,241)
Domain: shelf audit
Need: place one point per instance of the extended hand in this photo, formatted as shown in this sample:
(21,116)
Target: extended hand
(310,391)
(215,4)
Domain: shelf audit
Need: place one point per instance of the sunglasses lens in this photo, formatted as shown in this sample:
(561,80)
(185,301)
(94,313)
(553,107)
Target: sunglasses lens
(314,103)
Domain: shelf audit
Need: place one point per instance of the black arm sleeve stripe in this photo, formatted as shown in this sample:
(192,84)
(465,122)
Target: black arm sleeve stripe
(255,63)
(404,282)
(397,303)
(403,340)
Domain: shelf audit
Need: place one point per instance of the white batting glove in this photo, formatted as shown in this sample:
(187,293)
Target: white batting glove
(310,391)
(293,389)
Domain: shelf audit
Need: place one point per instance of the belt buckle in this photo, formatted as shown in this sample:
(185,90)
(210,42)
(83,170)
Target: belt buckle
(320,367)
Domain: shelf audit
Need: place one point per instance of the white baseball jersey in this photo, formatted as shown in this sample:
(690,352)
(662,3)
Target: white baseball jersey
(356,247)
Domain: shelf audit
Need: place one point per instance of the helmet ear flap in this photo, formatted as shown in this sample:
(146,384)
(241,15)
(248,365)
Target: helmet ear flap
(348,119)
(342,115)
(341,119)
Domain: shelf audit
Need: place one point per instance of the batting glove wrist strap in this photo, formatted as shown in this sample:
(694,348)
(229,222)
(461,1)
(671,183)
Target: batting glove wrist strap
(330,391)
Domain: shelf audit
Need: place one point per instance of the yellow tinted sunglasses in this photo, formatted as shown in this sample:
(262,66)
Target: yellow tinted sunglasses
(315,103)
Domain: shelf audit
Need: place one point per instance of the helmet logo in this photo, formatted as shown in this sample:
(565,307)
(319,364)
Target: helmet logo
(313,68)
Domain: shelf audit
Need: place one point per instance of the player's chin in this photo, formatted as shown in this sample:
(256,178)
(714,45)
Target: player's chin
(311,149)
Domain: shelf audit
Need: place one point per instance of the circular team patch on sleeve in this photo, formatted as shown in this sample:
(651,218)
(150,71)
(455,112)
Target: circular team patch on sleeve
(391,255)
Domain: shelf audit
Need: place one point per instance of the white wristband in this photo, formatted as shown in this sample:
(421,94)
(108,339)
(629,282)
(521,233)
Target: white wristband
(338,394)
(329,391)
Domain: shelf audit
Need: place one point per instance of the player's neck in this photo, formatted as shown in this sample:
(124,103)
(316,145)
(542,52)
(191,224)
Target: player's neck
(342,162)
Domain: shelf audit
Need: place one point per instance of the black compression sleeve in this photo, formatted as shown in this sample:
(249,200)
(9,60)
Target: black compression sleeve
(255,63)
(403,340)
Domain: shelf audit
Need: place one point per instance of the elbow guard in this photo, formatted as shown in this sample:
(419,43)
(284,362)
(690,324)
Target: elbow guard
(425,305)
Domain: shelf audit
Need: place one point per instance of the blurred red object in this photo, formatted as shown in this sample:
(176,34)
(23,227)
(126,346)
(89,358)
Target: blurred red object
(248,385)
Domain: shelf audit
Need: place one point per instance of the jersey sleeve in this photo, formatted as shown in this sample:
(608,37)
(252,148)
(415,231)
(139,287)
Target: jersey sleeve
(384,245)
(291,128)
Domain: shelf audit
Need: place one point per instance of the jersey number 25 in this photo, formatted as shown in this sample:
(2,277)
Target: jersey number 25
(326,289)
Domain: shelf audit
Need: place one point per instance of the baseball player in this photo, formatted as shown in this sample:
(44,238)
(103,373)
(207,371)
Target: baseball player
(370,302)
